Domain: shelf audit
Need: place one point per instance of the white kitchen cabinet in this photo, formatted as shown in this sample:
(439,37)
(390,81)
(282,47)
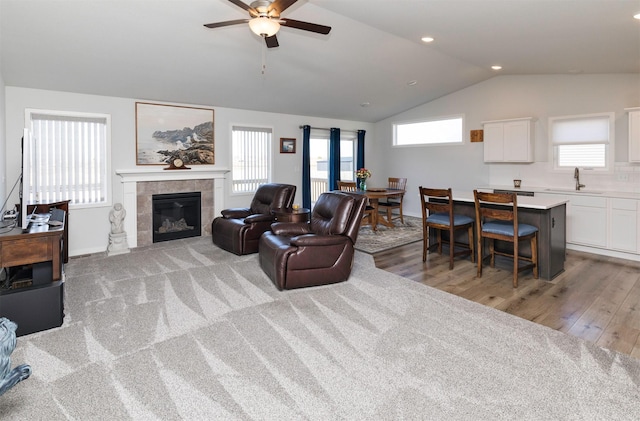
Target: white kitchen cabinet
(623,226)
(634,134)
(587,221)
(508,140)
(604,223)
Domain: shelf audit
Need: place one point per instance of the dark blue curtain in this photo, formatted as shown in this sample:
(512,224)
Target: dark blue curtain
(334,158)
(360,150)
(306,167)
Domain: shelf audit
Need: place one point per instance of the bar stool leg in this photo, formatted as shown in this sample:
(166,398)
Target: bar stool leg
(516,255)
(473,256)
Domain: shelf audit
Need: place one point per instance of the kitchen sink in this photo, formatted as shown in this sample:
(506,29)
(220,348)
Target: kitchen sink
(572,191)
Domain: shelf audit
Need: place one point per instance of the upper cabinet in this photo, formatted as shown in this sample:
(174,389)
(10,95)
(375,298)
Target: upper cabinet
(634,134)
(508,140)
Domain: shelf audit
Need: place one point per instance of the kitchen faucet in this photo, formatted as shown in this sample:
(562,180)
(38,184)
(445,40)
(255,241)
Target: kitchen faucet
(576,175)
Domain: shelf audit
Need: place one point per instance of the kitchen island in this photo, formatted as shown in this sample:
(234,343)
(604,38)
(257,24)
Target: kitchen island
(548,214)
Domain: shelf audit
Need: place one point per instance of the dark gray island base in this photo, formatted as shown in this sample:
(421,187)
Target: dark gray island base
(549,215)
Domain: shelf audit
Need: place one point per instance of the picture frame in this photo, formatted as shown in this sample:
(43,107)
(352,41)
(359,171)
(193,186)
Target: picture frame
(287,145)
(166,133)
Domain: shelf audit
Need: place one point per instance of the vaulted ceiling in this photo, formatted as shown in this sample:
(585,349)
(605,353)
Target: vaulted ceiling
(371,66)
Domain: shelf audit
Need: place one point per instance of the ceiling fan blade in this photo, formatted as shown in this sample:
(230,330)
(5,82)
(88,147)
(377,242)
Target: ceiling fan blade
(271,41)
(226,23)
(280,5)
(245,7)
(305,26)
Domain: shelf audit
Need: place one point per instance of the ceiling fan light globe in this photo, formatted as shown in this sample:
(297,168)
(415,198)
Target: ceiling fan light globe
(264,26)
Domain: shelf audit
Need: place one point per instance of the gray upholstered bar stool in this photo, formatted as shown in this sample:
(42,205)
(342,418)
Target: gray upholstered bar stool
(501,223)
(439,215)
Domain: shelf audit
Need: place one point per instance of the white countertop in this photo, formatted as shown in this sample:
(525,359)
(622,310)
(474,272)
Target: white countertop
(565,191)
(535,202)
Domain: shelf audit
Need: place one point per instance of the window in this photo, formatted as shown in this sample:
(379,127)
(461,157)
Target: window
(432,132)
(347,153)
(251,158)
(319,160)
(583,141)
(69,157)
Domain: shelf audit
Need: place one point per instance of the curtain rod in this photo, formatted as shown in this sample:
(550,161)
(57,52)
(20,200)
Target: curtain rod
(323,128)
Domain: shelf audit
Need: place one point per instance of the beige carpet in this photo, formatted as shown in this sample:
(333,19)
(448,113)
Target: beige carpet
(184,330)
(386,238)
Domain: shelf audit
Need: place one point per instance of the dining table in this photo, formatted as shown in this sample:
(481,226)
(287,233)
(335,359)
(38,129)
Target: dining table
(374,194)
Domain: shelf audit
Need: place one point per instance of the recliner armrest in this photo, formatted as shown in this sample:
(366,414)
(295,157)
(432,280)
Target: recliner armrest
(236,213)
(290,229)
(258,217)
(318,240)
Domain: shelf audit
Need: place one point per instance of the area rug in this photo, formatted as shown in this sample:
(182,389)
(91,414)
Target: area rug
(184,330)
(385,238)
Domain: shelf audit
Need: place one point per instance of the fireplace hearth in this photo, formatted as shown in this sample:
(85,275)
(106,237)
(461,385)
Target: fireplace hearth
(176,215)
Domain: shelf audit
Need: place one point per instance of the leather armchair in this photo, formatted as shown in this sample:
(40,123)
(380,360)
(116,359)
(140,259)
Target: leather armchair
(238,230)
(296,255)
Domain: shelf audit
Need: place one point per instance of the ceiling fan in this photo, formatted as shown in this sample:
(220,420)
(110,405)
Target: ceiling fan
(265,20)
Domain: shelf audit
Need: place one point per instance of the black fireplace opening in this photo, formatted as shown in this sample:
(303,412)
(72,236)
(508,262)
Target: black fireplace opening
(176,215)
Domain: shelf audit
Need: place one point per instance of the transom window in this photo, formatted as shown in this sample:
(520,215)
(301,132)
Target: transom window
(251,158)
(446,130)
(583,141)
(68,157)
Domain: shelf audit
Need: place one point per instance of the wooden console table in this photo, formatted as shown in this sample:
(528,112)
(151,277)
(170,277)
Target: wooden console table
(38,305)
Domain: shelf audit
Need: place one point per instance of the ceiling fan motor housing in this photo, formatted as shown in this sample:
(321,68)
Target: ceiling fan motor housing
(262,6)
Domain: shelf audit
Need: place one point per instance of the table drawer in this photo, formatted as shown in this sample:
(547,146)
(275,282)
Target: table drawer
(26,251)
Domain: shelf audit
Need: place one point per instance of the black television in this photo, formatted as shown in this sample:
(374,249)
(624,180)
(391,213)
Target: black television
(25,179)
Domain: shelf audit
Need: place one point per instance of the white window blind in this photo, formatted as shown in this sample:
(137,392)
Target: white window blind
(582,141)
(585,130)
(251,151)
(69,157)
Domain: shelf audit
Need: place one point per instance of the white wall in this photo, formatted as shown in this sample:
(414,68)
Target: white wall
(502,97)
(3,142)
(3,148)
(89,227)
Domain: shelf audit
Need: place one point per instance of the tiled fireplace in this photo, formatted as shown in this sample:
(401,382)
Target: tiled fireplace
(141,184)
(177,215)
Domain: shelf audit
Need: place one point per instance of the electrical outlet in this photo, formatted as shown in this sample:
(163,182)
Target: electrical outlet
(622,176)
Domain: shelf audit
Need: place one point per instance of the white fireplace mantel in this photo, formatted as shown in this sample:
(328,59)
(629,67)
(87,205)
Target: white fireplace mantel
(130,177)
(155,173)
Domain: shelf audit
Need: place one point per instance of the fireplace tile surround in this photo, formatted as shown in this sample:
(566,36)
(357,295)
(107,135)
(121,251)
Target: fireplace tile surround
(140,184)
(146,189)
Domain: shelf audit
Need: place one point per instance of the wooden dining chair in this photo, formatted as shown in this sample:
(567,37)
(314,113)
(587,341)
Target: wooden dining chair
(394,202)
(497,219)
(439,215)
(369,211)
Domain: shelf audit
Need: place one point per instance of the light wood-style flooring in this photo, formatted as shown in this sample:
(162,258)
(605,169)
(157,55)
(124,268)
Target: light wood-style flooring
(596,298)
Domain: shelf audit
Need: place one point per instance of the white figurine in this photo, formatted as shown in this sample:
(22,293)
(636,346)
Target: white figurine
(116,216)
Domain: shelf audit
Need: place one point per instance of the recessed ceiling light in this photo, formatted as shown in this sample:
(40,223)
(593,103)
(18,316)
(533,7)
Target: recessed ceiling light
(636,16)
(496,67)
(365,104)
(428,39)
(412,82)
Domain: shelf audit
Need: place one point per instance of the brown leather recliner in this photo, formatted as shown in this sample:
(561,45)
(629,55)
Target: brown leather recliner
(238,230)
(296,255)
